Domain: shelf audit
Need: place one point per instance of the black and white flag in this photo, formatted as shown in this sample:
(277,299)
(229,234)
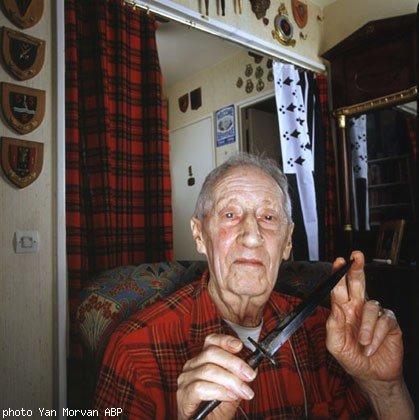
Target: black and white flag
(358,137)
(297,147)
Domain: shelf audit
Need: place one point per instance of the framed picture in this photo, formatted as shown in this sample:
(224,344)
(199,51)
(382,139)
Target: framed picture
(225,126)
(389,239)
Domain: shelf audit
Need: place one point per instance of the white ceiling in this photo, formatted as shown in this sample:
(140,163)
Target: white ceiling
(184,51)
(322,3)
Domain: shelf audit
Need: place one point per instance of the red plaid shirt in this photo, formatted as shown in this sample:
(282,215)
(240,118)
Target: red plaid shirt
(146,354)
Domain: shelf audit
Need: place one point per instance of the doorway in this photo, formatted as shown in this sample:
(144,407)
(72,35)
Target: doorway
(260,128)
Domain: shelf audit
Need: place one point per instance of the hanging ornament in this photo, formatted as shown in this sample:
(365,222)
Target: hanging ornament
(260,85)
(249,86)
(248,71)
(259,7)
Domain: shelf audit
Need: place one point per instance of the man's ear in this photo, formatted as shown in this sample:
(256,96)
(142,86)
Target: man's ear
(196,227)
(288,247)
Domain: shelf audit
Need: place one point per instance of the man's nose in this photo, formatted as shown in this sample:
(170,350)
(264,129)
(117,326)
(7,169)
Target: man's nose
(251,236)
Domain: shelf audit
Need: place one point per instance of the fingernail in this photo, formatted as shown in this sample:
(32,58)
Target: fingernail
(234,343)
(232,395)
(248,373)
(368,351)
(247,392)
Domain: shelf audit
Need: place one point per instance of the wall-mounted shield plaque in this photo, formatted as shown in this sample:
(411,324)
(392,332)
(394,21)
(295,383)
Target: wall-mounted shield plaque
(21,160)
(299,11)
(183,102)
(23,108)
(196,98)
(23,55)
(283,28)
(23,13)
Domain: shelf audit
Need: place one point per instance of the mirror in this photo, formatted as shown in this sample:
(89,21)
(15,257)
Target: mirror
(378,148)
(382,145)
(203,74)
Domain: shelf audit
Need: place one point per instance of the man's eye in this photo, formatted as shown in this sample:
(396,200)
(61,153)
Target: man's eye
(229,215)
(269,217)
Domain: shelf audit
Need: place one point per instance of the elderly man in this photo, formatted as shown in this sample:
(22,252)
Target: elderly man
(191,347)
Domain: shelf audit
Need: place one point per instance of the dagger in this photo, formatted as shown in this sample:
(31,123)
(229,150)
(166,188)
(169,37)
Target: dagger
(268,347)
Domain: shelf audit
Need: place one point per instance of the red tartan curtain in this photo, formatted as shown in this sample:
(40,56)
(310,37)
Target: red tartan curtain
(330,210)
(411,124)
(117,153)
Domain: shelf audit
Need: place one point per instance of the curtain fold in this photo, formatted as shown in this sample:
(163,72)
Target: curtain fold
(117,153)
(411,128)
(331,198)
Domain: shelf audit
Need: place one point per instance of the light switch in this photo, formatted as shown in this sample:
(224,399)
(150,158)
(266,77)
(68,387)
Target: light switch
(26,241)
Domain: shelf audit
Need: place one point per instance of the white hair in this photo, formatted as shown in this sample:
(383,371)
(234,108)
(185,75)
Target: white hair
(204,202)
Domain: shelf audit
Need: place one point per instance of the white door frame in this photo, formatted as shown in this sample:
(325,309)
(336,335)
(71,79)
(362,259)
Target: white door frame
(173,11)
(240,106)
(60,362)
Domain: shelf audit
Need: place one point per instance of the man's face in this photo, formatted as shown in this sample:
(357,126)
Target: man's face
(246,235)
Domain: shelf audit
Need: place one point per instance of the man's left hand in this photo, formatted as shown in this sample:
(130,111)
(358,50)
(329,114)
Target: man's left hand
(365,339)
(367,342)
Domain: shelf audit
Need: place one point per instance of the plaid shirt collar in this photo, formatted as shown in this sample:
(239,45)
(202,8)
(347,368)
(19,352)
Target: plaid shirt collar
(206,318)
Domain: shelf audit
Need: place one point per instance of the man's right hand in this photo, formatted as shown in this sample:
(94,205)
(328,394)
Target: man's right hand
(215,374)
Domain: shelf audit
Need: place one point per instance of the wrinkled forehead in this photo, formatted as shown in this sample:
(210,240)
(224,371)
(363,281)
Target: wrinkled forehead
(247,183)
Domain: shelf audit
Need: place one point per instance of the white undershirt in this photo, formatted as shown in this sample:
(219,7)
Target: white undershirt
(245,332)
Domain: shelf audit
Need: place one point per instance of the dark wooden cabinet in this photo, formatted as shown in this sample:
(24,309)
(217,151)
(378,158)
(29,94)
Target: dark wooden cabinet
(377,60)
(374,73)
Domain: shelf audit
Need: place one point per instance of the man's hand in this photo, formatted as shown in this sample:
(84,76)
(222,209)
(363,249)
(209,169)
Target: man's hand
(367,341)
(367,346)
(215,374)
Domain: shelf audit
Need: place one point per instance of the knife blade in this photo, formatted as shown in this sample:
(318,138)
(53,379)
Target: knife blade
(281,333)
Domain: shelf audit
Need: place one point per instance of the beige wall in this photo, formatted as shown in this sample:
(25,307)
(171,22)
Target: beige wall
(346,16)
(248,22)
(26,281)
(218,87)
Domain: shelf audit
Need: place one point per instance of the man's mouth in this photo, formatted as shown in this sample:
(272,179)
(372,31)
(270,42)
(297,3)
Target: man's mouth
(249,261)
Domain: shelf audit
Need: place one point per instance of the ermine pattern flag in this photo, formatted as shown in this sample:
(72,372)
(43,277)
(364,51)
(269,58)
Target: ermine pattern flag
(358,137)
(296,146)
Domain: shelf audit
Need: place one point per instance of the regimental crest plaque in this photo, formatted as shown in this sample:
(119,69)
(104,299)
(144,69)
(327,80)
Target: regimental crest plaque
(23,55)
(23,108)
(283,31)
(23,13)
(184,102)
(299,11)
(21,160)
